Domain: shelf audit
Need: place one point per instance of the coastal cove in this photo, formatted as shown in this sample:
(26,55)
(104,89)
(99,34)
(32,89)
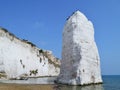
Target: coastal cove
(111,82)
(79,65)
(59,45)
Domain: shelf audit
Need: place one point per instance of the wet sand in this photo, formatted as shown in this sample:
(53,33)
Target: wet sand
(48,87)
(46,83)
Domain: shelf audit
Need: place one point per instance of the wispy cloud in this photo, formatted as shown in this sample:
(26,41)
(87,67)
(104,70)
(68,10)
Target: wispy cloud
(38,25)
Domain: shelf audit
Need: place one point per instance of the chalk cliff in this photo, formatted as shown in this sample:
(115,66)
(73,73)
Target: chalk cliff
(80,62)
(20,58)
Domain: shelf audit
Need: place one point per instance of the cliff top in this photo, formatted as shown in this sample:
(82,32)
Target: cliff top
(78,17)
(46,53)
(11,34)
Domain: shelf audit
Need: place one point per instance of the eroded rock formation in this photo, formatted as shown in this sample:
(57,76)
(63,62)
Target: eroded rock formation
(20,58)
(80,62)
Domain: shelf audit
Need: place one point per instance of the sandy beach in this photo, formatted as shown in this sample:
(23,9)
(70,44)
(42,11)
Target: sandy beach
(26,87)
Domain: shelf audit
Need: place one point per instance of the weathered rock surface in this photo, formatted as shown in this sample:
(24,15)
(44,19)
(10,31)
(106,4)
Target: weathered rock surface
(80,62)
(20,58)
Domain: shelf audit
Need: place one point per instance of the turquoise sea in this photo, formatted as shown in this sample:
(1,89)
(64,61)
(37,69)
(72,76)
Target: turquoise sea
(110,82)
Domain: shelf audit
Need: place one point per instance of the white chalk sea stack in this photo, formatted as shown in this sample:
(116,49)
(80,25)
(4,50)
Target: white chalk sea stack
(80,64)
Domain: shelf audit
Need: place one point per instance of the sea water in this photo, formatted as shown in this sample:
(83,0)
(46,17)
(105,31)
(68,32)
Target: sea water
(110,82)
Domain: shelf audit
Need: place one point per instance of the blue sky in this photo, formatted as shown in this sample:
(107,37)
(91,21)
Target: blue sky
(42,22)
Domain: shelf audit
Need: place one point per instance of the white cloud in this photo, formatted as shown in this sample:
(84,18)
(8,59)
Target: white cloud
(38,25)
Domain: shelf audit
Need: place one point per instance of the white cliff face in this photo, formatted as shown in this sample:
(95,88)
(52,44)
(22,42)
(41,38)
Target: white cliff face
(80,62)
(20,58)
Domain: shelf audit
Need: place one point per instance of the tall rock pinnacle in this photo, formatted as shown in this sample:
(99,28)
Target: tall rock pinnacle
(80,64)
